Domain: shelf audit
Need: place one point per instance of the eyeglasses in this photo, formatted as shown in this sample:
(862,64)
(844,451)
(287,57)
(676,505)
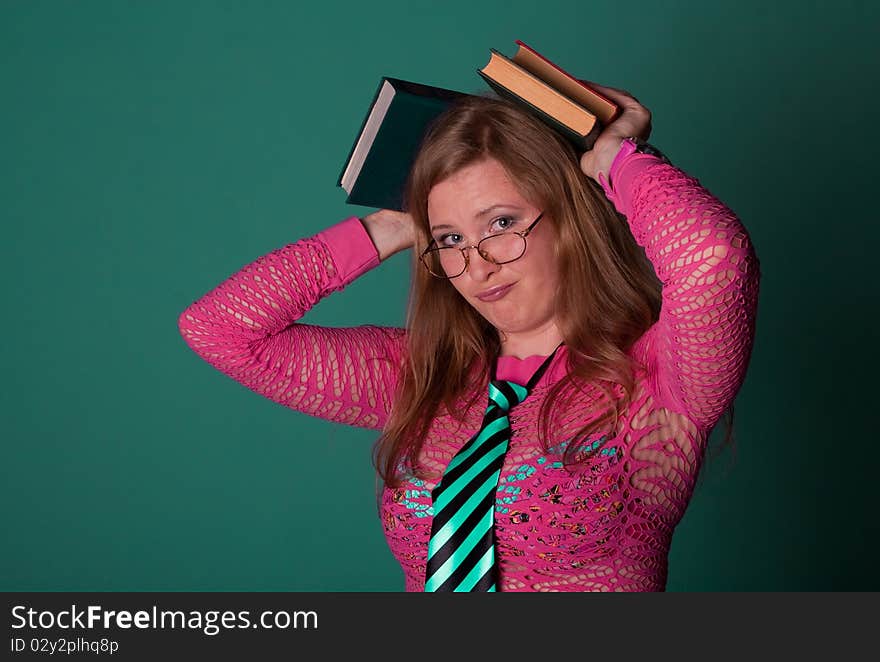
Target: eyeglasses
(501,248)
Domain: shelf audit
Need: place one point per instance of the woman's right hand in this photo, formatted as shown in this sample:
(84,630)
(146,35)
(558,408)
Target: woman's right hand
(391,231)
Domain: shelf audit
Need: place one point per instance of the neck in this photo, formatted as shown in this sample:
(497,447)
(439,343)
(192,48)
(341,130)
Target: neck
(523,345)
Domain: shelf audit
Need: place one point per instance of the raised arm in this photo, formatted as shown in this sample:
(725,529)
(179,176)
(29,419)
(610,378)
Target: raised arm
(247,327)
(699,348)
(701,344)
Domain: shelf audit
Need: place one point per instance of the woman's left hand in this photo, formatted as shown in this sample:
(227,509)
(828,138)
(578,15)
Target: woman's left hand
(634,120)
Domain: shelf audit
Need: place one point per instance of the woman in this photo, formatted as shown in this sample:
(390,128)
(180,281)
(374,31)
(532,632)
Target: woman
(546,409)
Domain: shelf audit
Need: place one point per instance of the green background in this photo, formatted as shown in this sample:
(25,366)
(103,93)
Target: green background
(150,150)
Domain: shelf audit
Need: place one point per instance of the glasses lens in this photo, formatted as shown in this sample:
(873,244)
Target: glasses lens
(449,262)
(504,247)
(445,262)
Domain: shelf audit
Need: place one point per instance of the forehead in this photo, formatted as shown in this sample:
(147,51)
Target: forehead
(459,198)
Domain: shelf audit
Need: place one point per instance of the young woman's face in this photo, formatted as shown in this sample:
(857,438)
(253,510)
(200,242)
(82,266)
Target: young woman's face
(454,210)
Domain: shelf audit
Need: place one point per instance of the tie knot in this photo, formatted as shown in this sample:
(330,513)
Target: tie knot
(506,395)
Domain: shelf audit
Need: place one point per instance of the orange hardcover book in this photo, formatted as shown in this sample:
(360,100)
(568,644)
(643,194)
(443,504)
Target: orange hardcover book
(566,104)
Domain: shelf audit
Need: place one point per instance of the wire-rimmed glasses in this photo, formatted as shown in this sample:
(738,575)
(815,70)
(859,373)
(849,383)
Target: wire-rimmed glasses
(500,248)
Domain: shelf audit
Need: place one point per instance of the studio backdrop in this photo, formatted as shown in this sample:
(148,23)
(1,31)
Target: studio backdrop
(150,150)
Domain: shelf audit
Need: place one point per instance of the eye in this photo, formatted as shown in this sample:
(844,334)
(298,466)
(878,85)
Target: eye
(442,239)
(509,220)
(505,223)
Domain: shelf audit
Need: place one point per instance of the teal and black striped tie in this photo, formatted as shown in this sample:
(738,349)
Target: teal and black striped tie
(461,549)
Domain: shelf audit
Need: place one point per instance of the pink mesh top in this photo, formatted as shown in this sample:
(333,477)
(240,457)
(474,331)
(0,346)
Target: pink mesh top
(604,527)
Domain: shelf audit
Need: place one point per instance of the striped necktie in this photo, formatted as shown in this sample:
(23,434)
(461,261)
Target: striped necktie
(461,549)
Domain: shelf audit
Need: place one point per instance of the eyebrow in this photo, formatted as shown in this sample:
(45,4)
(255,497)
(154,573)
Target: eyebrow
(480,214)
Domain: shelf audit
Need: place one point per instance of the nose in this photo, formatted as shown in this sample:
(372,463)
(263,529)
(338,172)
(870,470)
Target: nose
(478,267)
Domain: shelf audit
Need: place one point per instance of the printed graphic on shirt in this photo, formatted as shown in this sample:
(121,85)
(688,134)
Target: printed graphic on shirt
(511,484)
(416,497)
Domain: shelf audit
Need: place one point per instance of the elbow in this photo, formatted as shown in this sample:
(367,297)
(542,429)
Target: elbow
(187,327)
(748,262)
(738,251)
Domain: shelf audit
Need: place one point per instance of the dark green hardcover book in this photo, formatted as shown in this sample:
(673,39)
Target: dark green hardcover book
(379,162)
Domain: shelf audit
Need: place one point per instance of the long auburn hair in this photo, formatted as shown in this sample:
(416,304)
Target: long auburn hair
(609,296)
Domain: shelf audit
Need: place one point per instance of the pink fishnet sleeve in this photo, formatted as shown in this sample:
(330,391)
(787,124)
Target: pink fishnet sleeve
(247,328)
(699,348)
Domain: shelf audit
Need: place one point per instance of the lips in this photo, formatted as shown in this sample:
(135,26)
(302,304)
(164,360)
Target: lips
(495,293)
